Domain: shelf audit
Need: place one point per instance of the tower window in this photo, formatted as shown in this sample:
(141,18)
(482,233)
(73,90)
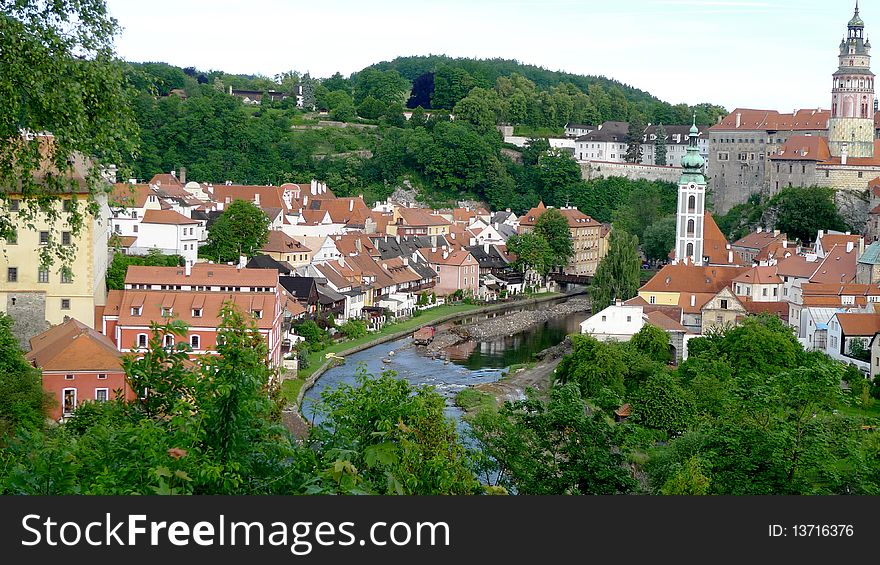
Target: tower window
(692,203)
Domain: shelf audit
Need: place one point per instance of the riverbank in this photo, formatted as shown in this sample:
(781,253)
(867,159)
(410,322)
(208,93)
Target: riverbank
(486,330)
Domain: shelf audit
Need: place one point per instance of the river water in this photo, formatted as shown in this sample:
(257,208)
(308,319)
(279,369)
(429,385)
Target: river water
(469,364)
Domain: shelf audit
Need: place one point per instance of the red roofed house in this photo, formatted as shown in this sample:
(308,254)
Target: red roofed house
(194,295)
(417,221)
(78,364)
(170,232)
(759,284)
(282,247)
(844,328)
(588,237)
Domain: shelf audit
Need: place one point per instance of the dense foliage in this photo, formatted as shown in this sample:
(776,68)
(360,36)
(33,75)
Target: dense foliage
(618,275)
(240,231)
(119,266)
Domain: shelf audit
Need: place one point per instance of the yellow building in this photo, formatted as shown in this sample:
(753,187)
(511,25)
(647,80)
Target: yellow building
(589,238)
(36,296)
(417,221)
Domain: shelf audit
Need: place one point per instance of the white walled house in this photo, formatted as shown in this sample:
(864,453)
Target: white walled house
(760,284)
(170,232)
(618,322)
(844,328)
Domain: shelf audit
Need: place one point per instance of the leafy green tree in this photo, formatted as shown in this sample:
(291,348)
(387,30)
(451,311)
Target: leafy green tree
(308,92)
(553,227)
(119,266)
(532,253)
(802,212)
(23,404)
(370,108)
(653,342)
(660,146)
(594,366)
(384,436)
(341,106)
(662,404)
(241,230)
(552,448)
(659,238)
(644,204)
(418,118)
(451,84)
(388,87)
(353,329)
(689,480)
(476,109)
(618,275)
(312,333)
(634,140)
(60,75)
(559,175)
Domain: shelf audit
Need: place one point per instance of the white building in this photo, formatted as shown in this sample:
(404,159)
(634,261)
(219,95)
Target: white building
(170,232)
(676,144)
(617,322)
(605,143)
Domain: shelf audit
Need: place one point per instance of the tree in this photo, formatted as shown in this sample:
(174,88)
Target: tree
(552,448)
(60,75)
(662,404)
(652,342)
(451,84)
(559,176)
(659,239)
(594,366)
(532,253)
(370,108)
(802,212)
(618,275)
(341,106)
(353,329)
(384,436)
(475,109)
(634,140)
(388,87)
(241,230)
(553,227)
(660,146)
(119,266)
(308,92)
(23,404)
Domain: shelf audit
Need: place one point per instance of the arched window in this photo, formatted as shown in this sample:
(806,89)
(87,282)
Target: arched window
(692,203)
(690,249)
(142,340)
(194,342)
(690,229)
(169,341)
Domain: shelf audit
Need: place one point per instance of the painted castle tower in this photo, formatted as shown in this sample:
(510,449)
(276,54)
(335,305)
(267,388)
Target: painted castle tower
(851,127)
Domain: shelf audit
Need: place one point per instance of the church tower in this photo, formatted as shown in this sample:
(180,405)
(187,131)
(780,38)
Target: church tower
(851,127)
(691,204)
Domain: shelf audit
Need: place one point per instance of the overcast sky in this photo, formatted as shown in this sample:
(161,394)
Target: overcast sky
(759,54)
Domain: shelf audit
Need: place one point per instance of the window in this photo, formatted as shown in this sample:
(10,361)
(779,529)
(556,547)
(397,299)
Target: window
(101,394)
(68,403)
(65,235)
(134,214)
(134,228)
(43,275)
(690,231)
(136,310)
(860,174)
(12,274)
(604,318)
(169,341)
(195,342)
(14,205)
(142,340)
(763,292)
(69,377)
(690,249)
(44,237)
(65,304)
(117,228)
(66,276)
(102,376)
(629,318)
(67,205)
(692,203)
(197,312)
(719,319)
(166,312)
(723,304)
(652,299)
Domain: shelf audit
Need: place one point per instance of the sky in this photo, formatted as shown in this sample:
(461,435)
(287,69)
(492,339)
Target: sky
(768,54)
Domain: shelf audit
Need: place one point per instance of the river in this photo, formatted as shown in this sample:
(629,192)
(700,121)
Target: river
(469,364)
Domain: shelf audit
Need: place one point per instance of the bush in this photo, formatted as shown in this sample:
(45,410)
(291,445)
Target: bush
(353,329)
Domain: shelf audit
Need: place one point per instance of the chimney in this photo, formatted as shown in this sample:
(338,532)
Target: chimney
(618,302)
(314,186)
(357,244)
(415,256)
(760,229)
(351,205)
(182,175)
(187,268)
(844,151)
(405,261)
(738,119)
(433,250)
(433,241)
(486,248)
(173,174)
(775,233)
(305,200)
(693,300)
(257,198)
(445,254)
(730,257)
(398,238)
(821,234)
(849,246)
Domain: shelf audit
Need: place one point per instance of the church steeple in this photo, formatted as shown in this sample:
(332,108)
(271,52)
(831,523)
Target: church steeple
(691,203)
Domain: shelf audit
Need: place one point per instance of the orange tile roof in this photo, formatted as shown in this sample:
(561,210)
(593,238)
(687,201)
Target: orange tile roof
(382,220)
(771,120)
(759,275)
(829,240)
(400,270)
(169,217)
(435,256)
(859,324)
(347,244)
(344,210)
(183,303)
(421,217)
(280,242)
(126,241)
(664,322)
(796,266)
(837,267)
(803,148)
(699,300)
(126,195)
(166,180)
(758,240)
(692,279)
(328,271)
(203,274)
(73,346)
(575,217)
(779,309)
(714,242)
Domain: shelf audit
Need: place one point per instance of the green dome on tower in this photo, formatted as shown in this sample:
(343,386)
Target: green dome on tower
(856,20)
(692,163)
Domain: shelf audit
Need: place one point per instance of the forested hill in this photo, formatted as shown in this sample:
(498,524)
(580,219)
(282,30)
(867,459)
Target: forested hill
(484,73)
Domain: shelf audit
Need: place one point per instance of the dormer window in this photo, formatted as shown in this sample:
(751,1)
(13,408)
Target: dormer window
(136,310)
(258,314)
(166,312)
(197,312)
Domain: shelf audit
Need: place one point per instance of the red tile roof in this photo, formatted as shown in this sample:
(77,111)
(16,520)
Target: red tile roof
(715,244)
(664,322)
(280,242)
(837,267)
(183,302)
(859,161)
(859,324)
(692,279)
(126,195)
(796,266)
(457,257)
(759,275)
(203,274)
(803,148)
(169,217)
(421,217)
(771,120)
(73,346)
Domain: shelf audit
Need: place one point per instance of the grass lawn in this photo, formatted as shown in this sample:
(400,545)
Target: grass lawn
(290,388)
(470,399)
(868,412)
